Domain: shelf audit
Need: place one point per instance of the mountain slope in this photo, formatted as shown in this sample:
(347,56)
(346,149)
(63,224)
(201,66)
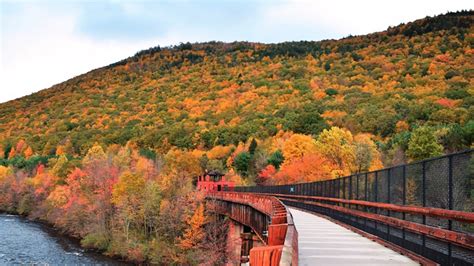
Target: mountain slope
(207,94)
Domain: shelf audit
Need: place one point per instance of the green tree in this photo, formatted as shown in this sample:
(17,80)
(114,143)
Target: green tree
(468,132)
(423,144)
(276,159)
(327,65)
(252,147)
(306,120)
(331,91)
(241,163)
(7,150)
(454,139)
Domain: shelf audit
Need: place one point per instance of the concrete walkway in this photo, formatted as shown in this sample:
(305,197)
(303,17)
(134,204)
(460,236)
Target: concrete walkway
(322,242)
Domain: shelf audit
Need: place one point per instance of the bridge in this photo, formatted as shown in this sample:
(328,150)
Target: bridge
(419,213)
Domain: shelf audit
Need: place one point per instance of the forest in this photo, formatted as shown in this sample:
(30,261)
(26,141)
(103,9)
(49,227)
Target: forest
(112,156)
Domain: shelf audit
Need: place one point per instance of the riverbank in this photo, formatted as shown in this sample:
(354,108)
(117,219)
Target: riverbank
(26,241)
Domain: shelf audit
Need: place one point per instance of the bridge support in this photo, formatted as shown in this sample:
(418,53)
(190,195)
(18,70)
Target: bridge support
(234,242)
(240,241)
(271,237)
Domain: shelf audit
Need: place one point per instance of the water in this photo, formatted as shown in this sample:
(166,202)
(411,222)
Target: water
(24,242)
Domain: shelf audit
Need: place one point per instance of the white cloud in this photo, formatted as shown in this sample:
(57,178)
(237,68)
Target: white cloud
(41,44)
(43,48)
(344,17)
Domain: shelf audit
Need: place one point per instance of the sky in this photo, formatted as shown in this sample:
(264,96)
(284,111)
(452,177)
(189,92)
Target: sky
(46,42)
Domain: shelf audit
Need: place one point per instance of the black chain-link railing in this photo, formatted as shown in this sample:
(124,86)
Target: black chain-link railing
(445,182)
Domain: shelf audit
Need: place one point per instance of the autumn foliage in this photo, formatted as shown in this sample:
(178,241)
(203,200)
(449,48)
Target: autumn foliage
(111,156)
(119,202)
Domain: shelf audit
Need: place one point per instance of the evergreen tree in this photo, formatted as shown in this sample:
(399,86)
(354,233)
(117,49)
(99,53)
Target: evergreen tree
(252,147)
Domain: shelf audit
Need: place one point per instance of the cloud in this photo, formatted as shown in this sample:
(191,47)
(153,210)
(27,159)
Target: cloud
(44,48)
(125,21)
(340,18)
(47,42)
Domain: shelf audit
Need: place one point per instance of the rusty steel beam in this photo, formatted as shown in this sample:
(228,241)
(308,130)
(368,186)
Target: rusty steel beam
(461,239)
(263,204)
(460,216)
(281,238)
(241,213)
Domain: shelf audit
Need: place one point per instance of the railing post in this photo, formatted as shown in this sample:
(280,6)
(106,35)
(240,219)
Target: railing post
(423,198)
(376,186)
(333,184)
(357,186)
(325,189)
(321,189)
(376,199)
(338,188)
(350,187)
(366,187)
(388,199)
(344,188)
(450,202)
(404,191)
(327,192)
(365,196)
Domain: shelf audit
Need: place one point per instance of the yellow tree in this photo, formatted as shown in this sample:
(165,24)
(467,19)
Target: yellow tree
(184,162)
(219,152)
(366,155)
(123,157)
(180,169)
(194,234)
(297,146)
(59,196)
(128,196)
(4,172)
(279,139)
(60,168)
(337,145)
(94,154)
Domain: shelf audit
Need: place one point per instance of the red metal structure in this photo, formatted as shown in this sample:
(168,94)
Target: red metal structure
(269,219)
(423,209)
(214,181)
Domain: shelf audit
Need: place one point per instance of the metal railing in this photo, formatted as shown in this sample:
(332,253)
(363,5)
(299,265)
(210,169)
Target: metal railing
(425,207)
(268,217)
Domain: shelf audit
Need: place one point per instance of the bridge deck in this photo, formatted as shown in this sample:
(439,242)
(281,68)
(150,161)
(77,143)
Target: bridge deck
(322,242)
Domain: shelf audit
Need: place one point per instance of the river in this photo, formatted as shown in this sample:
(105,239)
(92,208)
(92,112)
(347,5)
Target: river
(26,242)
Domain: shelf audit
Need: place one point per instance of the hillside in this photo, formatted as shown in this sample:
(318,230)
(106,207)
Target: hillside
(112,156)
(207,94)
